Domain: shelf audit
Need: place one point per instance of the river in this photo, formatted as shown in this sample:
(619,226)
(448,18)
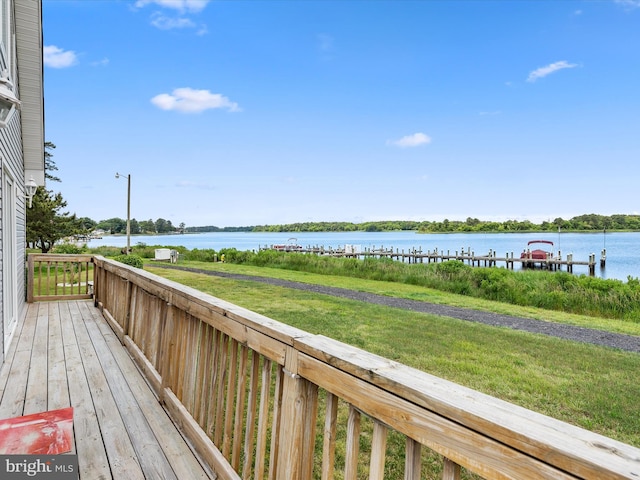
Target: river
(623,248)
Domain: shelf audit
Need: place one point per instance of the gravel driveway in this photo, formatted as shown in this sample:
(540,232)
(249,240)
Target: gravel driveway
(629,343)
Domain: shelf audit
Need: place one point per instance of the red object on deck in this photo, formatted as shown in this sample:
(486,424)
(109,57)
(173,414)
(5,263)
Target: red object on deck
(45,433)
(538,253)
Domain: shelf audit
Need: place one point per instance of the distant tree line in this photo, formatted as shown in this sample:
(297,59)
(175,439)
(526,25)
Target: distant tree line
(211,228)
(118,225)
(581,223)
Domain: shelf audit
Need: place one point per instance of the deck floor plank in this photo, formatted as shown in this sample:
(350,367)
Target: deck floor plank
(183,462)
(65,354)
(92,456)
(57,367)
(36,395)
(142,437)
(8,360)
(118,446)
(12,404)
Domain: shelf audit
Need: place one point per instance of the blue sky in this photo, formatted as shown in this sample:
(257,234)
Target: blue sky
(234,113)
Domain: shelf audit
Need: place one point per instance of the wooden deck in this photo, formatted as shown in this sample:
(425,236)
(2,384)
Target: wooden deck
(254,396)
(65,354)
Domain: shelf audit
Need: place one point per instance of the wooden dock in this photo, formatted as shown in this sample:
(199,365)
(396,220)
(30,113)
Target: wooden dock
(468,256)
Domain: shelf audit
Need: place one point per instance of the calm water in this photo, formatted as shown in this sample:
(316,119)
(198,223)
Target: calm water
(623,249)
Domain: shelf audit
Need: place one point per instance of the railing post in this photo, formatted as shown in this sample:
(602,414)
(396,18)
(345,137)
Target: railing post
(330,430)
(450,470)
(30,275)
(353,444)
(378,451)
(296,445)
(167,350)
(95,281)
(412,460)
(127,314)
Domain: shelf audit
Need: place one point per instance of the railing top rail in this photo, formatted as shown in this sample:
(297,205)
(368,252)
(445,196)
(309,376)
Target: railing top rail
(70,257)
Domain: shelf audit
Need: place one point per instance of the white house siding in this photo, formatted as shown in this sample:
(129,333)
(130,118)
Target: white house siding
(22,141)
(11,154)
(28,17)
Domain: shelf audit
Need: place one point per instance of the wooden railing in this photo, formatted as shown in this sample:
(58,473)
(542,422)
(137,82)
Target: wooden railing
(59,277)
(259,399)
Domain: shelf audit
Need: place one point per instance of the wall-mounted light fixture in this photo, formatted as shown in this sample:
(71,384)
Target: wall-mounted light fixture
(8,100)
(30,190)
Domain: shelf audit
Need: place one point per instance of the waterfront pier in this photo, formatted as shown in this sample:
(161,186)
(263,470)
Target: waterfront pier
(552,262)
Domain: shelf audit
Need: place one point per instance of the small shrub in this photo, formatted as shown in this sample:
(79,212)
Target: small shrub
(452,269)
(132,260)
(233,255)
(204,255)
(105,251)
(69,248)
(143,251)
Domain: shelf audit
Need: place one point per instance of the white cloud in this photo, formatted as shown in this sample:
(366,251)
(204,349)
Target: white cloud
(188,100)
(100,63)
(414,140)
(549,69)
(55,57)
(193,6)
(167,21)
(631,4)
(163,22)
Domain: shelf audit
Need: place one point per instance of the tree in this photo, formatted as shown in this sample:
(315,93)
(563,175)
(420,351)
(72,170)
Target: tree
(113,225)
(49,164)
(88,224)
(147,226)
(46,224)
(164,226)
(134,227)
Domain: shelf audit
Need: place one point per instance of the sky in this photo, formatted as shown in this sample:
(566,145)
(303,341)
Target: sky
(256,112)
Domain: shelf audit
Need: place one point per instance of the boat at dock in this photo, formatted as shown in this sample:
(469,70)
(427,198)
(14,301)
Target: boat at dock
(530,257)
(538,253)
(290,246)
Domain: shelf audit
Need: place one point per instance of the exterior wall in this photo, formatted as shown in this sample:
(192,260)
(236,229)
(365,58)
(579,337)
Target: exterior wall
(21,148)
(12,166)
